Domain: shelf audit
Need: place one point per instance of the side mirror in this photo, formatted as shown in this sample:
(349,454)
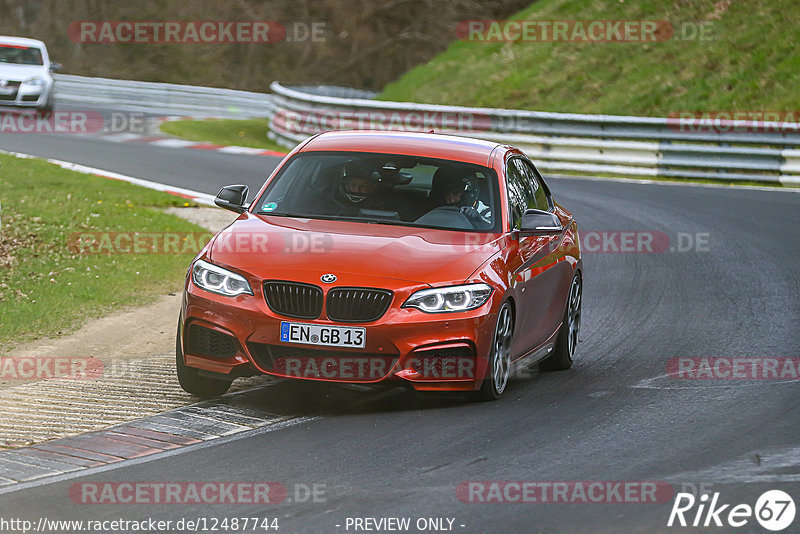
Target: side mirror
(538,222)
(232,197)
(55,67)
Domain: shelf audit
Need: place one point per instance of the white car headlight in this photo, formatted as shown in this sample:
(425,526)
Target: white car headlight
(37,81)
(218,280)
(450,299)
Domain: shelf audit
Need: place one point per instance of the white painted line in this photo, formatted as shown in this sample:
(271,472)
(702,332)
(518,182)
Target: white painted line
(677,183)
(666,381)
(173,143)
(196,196)
(119,137)
(240,150)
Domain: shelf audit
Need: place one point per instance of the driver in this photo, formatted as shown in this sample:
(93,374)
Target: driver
(355,184)
(459,188)
(356,190)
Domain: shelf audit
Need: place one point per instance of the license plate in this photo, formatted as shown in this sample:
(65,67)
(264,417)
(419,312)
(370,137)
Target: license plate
(328,336)
(7,90)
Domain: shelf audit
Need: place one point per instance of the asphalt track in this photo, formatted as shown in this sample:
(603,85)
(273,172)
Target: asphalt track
(614,417)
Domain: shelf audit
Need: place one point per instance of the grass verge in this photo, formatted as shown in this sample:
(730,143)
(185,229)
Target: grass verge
(226,132)
(48,288)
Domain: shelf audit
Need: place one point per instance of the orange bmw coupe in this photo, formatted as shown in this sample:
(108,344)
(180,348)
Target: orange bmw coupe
(438,262)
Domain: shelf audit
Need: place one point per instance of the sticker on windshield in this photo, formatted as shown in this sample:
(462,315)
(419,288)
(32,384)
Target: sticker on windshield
(269,206)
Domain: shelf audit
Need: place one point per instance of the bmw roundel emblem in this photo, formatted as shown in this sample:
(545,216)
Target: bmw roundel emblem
(328,278)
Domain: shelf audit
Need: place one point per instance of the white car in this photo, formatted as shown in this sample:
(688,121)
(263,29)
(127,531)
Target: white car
(26,79)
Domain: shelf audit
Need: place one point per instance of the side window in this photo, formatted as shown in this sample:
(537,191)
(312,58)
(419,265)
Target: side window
(520,192)
(539,193)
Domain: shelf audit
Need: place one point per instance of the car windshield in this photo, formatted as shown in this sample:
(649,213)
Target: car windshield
(385,189)
(21,55)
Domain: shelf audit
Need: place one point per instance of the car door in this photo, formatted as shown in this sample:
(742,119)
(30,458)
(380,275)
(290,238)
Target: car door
(537,279)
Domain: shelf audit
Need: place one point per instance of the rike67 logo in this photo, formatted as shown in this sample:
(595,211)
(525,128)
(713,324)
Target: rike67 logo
(774,510)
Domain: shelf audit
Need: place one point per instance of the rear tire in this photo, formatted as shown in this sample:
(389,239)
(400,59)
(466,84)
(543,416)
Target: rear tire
(499,368)
(567,340)
(190,380)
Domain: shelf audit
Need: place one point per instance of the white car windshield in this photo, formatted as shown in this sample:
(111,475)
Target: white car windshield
(20,55)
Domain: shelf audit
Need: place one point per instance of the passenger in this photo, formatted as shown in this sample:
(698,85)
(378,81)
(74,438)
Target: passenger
(459,188)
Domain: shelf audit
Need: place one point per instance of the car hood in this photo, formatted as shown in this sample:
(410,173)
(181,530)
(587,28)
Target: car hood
(272,247)
(12,71)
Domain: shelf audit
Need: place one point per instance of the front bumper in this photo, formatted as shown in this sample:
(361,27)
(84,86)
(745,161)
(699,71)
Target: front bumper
(26,96)
(431,352)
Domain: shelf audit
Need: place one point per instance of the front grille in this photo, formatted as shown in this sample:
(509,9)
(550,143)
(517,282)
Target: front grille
(293,299)
(207,342)
(30,98)
(357,304)
(10,96)
(322,364)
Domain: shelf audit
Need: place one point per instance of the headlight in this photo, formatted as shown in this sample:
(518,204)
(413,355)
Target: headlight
(218,280)
(450,299)
(37,81)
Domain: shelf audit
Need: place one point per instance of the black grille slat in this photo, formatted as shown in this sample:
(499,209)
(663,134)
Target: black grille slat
(357,304)
(293,299)
(6,97)
(207,342)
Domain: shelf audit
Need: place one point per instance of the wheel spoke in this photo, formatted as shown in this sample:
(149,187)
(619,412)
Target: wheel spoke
(501,359)
(574,316)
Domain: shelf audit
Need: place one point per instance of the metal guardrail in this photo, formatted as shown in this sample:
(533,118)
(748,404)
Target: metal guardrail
(162,98)
(560,142)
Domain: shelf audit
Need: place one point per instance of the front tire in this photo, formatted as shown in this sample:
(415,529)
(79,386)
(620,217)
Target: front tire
(190,380)
(567,340)
(496,379)
(47,109)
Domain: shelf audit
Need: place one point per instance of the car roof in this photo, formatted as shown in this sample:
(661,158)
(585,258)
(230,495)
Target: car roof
(466,149)
(21,41)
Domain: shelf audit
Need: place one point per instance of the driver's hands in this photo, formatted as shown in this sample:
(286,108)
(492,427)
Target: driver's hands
(471,214)
(474,217)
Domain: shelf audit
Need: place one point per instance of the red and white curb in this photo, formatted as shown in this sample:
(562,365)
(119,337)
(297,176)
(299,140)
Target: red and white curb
(171,142)
(174,142)
(148,436)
